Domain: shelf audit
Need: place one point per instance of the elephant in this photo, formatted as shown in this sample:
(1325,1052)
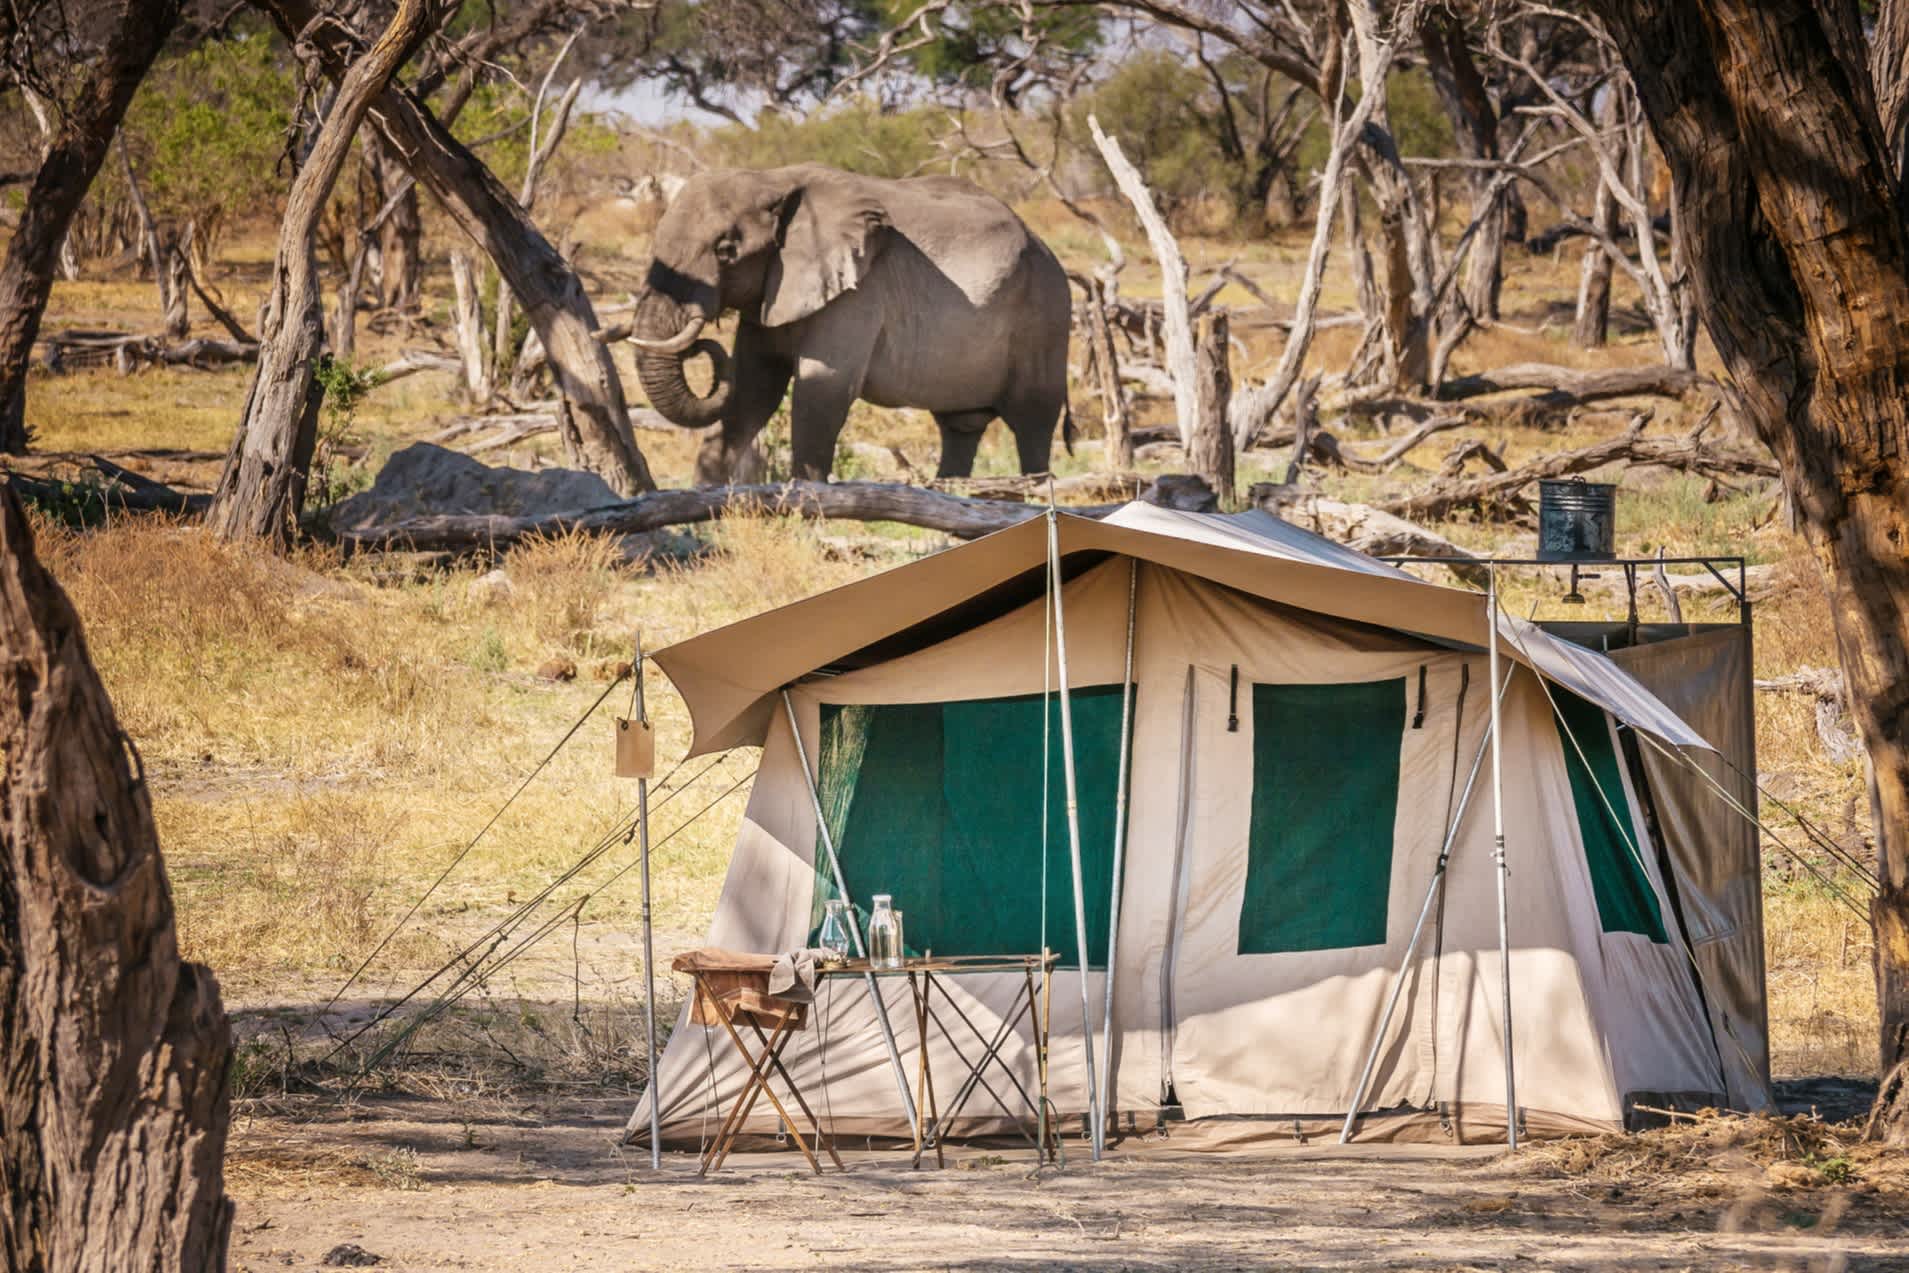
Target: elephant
(920,292)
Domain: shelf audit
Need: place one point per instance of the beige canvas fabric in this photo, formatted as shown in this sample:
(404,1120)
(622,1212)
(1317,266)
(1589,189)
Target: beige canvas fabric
(1706,679)
(1598,1016)
(730,677)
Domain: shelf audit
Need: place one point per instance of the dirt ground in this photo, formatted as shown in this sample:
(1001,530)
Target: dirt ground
(500,1184)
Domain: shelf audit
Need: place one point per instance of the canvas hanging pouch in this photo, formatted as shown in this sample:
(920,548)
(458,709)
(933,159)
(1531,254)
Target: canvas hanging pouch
(635,749)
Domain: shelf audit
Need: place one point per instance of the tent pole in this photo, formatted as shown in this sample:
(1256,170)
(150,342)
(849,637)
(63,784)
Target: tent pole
(854,924)
(1073,827)
(1498,851)
(649,949)
(1411,947)
(1120,846)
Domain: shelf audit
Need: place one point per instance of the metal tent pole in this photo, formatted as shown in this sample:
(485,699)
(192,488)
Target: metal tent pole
(649,950)
(854,924)
(1498,852)
(1411,948)
(1073,828)
(1120,850)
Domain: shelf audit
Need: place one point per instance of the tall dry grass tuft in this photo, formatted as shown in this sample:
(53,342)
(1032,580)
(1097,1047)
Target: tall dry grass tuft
(559,586)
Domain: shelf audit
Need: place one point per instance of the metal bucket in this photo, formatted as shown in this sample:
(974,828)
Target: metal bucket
(1577,520)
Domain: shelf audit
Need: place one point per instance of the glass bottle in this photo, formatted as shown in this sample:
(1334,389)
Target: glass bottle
(884,934)
(835,937)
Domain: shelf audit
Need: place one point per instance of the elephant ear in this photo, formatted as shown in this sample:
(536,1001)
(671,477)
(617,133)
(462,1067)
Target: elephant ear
(828,235)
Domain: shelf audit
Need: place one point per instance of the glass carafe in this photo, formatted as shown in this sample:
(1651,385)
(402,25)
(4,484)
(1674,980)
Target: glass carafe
(884,934)
(835,937)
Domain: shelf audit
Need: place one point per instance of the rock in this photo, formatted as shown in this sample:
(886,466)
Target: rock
(491,588)
(558,669)
(424,480)
(347,1256)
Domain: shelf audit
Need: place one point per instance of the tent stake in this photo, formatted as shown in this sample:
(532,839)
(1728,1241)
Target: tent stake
(1073,829)
(1104,1088)
(649,949)
(854,924)
(1411,947)
(1498,851)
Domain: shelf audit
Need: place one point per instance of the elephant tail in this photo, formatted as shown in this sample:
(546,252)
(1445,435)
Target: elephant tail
(1067,427)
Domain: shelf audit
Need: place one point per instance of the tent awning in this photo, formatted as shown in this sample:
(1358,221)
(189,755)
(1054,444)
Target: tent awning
(729,678)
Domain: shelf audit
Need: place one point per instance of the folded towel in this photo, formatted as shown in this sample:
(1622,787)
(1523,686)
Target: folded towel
(792,977)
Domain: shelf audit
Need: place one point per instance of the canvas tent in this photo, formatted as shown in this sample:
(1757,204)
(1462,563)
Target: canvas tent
(1302,725)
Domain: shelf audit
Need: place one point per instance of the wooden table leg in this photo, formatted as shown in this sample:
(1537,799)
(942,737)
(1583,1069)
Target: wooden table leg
(927,1068)
(746,1105)
(922,1128)
(780,1031)
(821,1141)
(739,1111)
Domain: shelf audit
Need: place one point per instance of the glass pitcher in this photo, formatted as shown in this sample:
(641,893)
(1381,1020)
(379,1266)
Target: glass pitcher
(835,937)
(884,934)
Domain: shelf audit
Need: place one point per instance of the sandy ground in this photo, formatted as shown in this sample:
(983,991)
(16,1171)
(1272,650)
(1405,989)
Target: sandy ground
(469,1184)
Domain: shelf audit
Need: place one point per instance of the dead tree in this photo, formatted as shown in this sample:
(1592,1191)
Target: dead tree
(262,488)
(1787,176)
(139,28)
(113,1053)
(1591,324)
(164,254)
(598,428)
(1211,450)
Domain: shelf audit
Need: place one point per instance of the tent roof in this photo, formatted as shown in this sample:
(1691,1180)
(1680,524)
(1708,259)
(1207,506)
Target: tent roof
(730,677)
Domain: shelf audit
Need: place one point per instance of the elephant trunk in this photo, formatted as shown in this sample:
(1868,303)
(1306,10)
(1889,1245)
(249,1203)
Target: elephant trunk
(659,319)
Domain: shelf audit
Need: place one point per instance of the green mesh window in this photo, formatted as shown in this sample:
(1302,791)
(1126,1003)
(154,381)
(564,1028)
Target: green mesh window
(1626,902)
(1325,796)
(940,805)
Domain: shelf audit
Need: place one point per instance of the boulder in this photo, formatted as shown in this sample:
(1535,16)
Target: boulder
(424,480)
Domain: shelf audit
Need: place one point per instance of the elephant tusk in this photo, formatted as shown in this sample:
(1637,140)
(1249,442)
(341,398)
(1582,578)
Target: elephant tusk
(675,344)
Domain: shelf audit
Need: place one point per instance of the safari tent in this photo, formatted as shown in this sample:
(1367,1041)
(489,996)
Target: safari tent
(1270,939)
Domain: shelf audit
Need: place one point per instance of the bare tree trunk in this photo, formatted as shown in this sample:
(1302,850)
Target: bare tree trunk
(467,328)
(400,273)
(262,489)
(542,281)
(1116,422)
(1211,451)
(1461,89)
(1166,253)
(1593,323)
(1802,273)
(113,1054)
(72,159)
(162,256)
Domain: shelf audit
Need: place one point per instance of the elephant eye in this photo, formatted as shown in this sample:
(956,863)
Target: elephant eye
(726,247)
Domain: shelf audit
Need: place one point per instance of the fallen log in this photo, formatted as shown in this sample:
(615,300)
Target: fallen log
(1575,385)
(854,501)
(1330,451)
(1489,494)
(122,490)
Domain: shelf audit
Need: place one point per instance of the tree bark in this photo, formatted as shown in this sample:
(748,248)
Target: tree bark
(72,159)
(1211,452)
(1791,217)
(1116,420)
(1592,324)
(467,330)
(541,280)
(1461,90)
(400,274)
(113,1053)
(262,489)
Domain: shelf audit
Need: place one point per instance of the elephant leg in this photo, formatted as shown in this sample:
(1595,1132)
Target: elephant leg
(729,453)
(1033,421)
(817,412)
(960,438)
